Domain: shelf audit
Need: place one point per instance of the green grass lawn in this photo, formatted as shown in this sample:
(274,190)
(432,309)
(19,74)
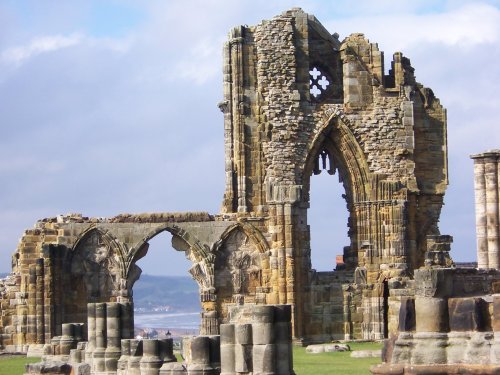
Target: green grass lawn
(303,363)
(15,365)
(334,363)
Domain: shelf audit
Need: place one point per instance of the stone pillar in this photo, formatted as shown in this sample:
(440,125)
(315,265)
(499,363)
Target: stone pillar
(31,316)
(127,320)
(491,182)
(135,357)
(257,341)
(227,349)
(113,334)
(67,340)
(98,357)
(40,303)
(167,350)
(90,330)
(486,189)
(150,362)
(480,203)
(122,364)
(283,339)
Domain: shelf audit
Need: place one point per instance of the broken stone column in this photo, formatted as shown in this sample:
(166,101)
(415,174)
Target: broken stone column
(134,360)
(150,362)
(90,330)
(68,340)
(258,340)
(127,320)
(122,364)
(98,356)
(202,355)
(486,189)
(113,334)
(433,287)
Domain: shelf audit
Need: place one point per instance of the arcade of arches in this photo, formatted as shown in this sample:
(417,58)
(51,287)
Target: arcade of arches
(296,100)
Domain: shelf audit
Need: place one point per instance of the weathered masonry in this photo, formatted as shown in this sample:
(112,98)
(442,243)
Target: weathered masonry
(297,102)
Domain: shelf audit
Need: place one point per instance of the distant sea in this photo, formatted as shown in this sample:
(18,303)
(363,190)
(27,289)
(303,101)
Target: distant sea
(177,321)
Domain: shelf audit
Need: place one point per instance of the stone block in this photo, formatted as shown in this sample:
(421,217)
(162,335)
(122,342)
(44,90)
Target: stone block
(435,282)
(263,314)
(227,333)
(200,350)
(496,313)
(465,314)
(429,347)
(262,333)
(227,357)
(407,315)
(264,359)
(243,358)
(243,333)
(431,314)
(173,368)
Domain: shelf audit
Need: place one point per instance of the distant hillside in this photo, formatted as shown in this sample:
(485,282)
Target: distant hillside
(2,275)
(179,293)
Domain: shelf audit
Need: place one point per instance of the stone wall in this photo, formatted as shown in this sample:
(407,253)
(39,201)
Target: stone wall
(451,323)
(297,101)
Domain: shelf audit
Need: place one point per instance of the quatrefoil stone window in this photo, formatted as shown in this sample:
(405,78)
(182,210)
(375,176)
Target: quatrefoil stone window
(317,82)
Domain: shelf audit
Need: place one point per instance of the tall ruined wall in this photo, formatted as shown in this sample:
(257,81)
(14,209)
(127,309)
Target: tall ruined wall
(66,262)
(298,100)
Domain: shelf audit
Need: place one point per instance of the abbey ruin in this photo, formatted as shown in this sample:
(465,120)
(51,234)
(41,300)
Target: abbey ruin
(297,102)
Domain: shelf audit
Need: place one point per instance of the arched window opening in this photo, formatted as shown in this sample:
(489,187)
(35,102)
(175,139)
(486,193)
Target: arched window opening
(166,298)
(327,215)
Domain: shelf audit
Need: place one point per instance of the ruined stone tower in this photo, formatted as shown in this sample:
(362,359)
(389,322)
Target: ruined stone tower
(297,101)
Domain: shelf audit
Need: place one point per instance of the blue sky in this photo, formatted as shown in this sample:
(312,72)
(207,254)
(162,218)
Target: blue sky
(110,106)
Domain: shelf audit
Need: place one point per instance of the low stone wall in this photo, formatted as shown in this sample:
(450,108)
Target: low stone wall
(453,323)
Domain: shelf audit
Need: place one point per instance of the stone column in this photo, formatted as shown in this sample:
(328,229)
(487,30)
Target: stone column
(227,349)
(122,365)
(486,170)
(150,362)
(113,334)
(40,316)
(135,357)
(67,340)
(127,320)
(98,357)
(480,203)
(90,330)
(31,316)
(491,182)
(257,341)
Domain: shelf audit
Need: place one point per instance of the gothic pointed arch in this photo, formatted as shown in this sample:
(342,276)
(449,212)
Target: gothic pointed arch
(198,253)
(252,232)
(240,274)
(335,140)
(95,272)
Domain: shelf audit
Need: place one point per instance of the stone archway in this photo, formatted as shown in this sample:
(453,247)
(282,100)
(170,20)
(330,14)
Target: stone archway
(242,271)
(94,273)
(335,142)
(202,269)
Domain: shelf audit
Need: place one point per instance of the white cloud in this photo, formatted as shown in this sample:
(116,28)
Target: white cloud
(39,45)
(461,27)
